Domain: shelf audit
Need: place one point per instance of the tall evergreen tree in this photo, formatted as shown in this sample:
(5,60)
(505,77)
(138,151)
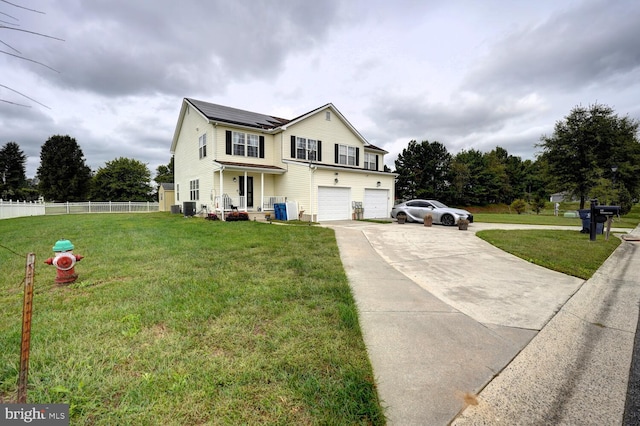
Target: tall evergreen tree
(63,174)
(469,179)
(422,170)
(496,177)
(13,179)
(164,174)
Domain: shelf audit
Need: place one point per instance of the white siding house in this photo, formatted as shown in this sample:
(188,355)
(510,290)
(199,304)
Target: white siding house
(226,158)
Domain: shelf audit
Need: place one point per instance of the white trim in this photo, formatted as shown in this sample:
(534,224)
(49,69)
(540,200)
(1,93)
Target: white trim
(342,168)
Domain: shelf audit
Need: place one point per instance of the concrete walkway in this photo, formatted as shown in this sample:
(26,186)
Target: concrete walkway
(443,313)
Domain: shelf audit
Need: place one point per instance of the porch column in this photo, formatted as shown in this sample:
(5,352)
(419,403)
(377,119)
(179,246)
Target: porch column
(262,191)
(246,187)
(220,196)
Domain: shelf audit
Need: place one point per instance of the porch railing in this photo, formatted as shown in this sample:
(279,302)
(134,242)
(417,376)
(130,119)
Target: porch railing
(227,203)
(271,200)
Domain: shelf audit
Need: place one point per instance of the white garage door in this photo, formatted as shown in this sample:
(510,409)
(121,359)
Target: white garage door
(334,203)
(375,203)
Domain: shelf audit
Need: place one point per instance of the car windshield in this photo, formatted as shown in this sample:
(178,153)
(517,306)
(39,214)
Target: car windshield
(438,204)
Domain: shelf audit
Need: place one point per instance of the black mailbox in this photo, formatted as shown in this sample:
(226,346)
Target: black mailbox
(608,210)
(601,214)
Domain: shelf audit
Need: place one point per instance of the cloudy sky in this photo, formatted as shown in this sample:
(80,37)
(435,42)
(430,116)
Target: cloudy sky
(467,73)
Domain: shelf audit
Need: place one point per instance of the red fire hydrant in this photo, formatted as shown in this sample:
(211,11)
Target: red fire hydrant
(64,262)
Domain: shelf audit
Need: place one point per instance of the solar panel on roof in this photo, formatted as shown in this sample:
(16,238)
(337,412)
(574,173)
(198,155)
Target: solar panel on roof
(237,116)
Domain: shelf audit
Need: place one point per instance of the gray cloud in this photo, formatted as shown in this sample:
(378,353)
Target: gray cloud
(467,74)
(117,48)
(590,44)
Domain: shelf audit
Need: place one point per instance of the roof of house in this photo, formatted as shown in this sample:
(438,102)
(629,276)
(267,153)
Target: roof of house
(236,116)
(269,123)
(373,147)
(166,186)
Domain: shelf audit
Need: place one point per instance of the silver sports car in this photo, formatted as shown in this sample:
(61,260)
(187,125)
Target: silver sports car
(416,210)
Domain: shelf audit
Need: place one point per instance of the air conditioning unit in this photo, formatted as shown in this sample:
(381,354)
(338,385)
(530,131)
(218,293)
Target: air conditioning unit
(189,208)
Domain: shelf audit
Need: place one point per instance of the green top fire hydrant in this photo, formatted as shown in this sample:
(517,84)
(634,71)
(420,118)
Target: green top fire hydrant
(64,261)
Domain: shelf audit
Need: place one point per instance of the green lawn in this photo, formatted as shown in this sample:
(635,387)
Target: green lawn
(569,252)
(186,321)
(490,214)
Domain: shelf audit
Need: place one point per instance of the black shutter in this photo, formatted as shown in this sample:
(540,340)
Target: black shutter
(261,154)
(357,156)
(293,147)
(228,142)
(319,150)
(376,162)
(336,152)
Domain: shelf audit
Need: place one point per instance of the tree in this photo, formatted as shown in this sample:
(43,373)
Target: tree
(63,174)
(13,179)
(590,144)
(535,179)
(164,174)
(122,179)
(422,170)
(470,179)
(497,178)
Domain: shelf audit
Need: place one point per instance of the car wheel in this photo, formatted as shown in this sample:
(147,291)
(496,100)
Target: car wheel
(447,220)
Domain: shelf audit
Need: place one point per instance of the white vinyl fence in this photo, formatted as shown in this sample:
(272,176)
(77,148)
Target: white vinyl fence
(22,208)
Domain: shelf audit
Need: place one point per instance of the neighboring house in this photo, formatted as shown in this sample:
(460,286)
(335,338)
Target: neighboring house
(318,163)
(166,197)
(559,197)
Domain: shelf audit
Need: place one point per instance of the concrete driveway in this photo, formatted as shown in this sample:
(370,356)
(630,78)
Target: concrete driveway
(442,312)
(472,276)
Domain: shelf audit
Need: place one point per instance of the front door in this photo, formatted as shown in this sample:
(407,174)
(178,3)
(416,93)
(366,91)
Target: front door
(249,191)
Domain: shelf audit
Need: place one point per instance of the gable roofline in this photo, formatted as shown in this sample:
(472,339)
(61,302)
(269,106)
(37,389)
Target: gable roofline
(176,133)
(337,113)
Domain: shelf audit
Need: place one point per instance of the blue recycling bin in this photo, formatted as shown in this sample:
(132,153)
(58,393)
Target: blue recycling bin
(280,210)
(585,215)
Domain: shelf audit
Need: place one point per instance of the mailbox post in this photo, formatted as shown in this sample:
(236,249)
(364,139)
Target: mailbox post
(592,223)
(601,214)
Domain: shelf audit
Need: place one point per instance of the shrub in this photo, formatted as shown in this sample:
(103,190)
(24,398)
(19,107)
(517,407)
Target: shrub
(539,203)
(235,216)
(519,205)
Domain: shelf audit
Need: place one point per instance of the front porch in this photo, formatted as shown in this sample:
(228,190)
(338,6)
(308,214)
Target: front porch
(245,187)
(226,203)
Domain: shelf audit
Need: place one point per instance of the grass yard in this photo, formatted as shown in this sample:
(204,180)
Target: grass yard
(569,252)
(186,321)
(495,214)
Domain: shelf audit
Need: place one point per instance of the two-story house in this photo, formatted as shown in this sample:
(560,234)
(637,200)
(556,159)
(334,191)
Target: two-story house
(226,158)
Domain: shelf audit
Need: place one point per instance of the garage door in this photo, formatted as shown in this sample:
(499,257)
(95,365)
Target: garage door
(375,203)
(334,203)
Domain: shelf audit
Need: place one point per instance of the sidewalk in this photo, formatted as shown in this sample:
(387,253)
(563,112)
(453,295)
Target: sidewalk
(431,358)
